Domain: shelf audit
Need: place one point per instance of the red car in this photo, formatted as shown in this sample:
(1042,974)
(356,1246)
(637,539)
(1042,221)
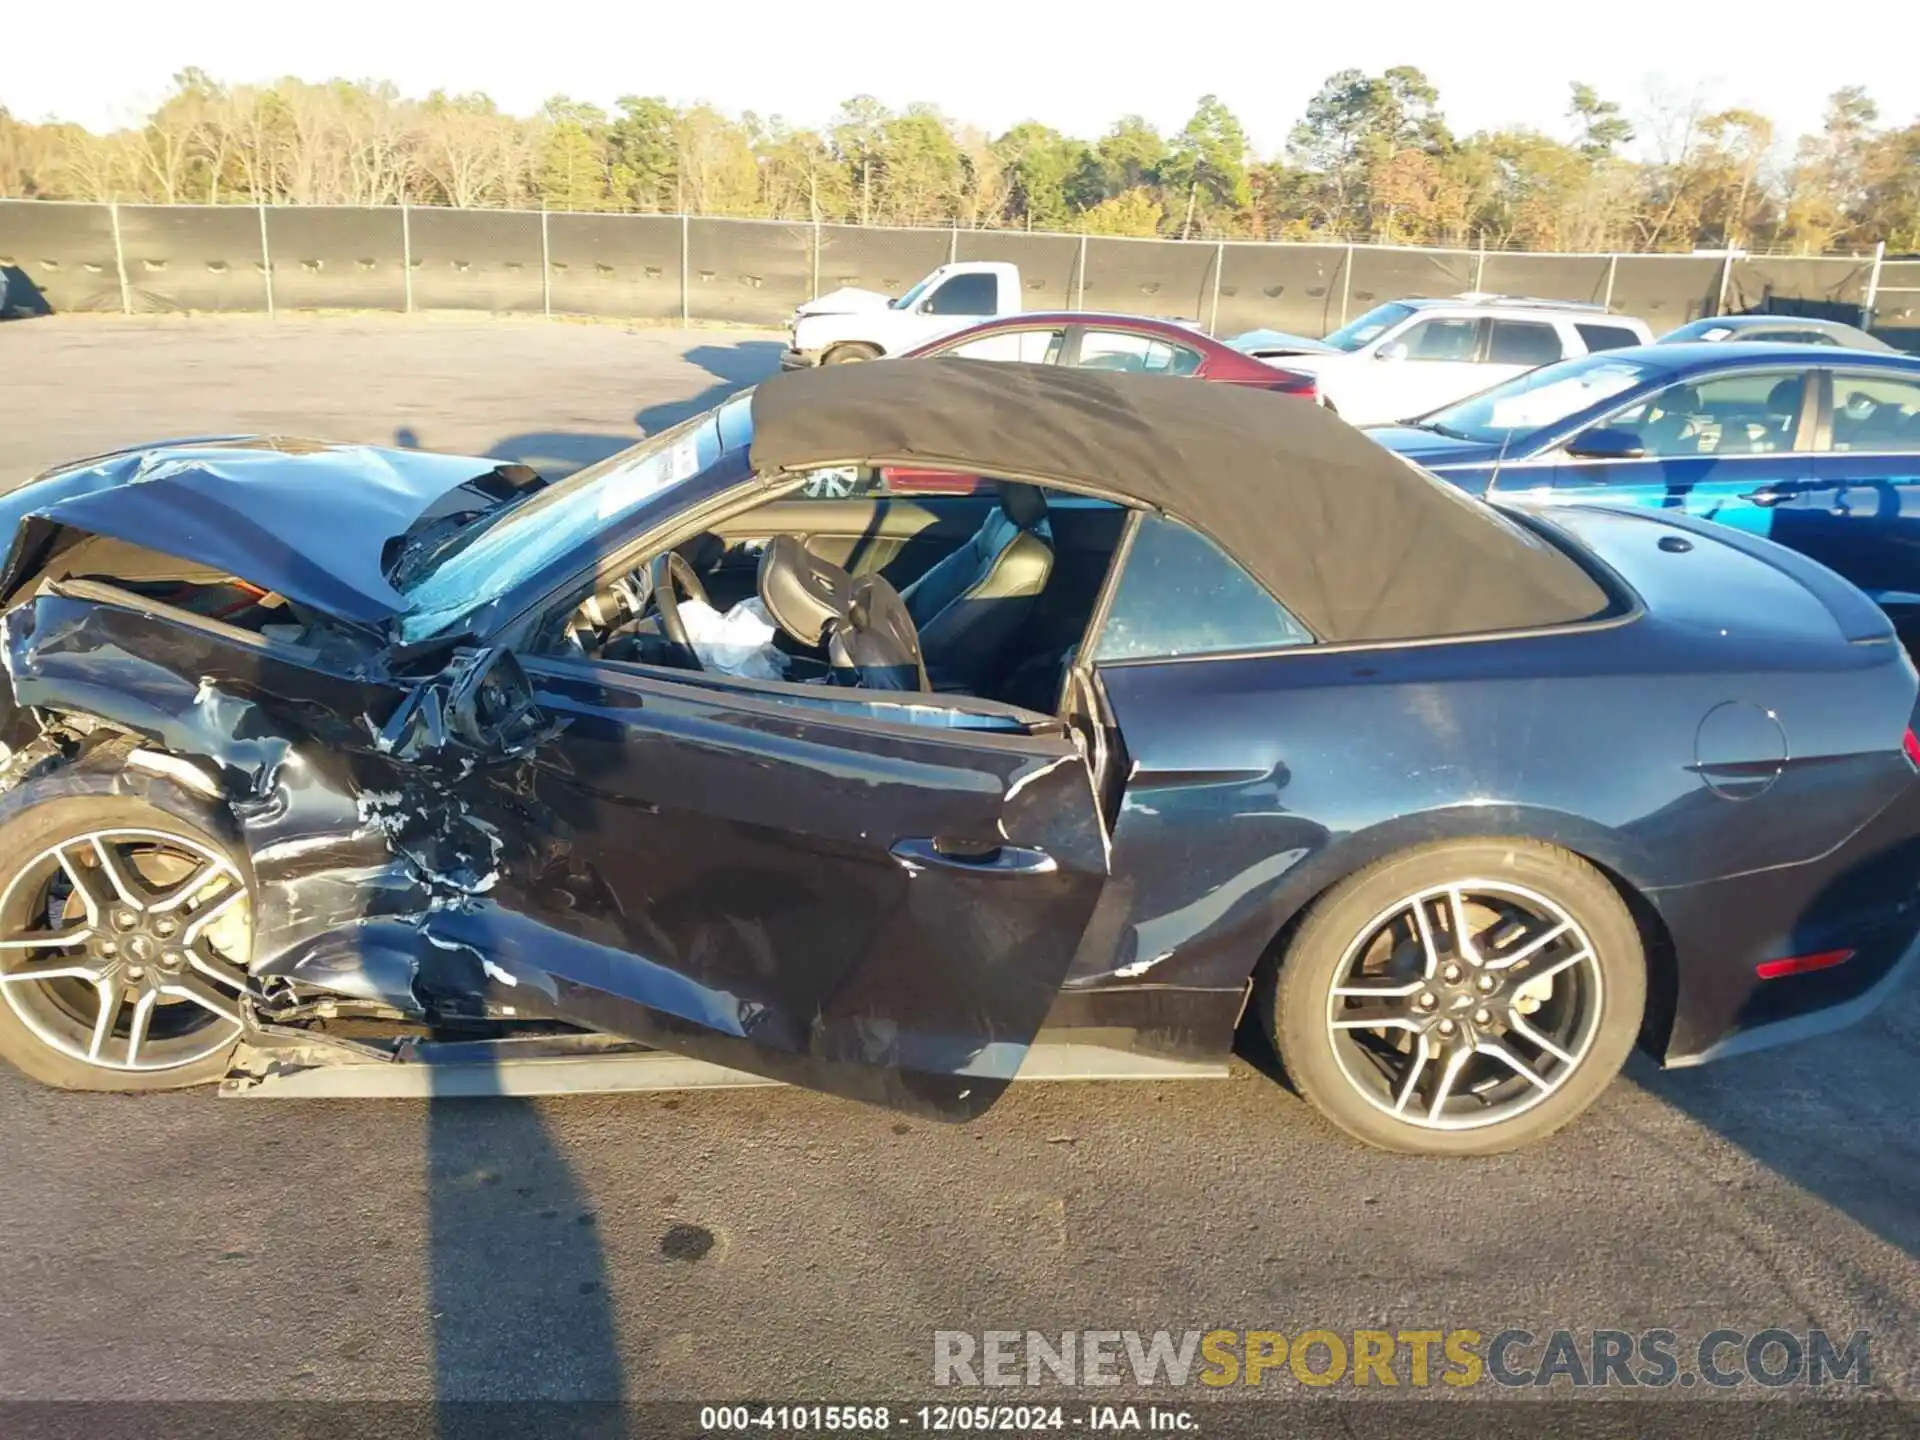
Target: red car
(1114,342)
(1090,341)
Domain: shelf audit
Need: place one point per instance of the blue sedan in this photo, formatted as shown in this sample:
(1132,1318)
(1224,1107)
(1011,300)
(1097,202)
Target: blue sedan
(1814,447)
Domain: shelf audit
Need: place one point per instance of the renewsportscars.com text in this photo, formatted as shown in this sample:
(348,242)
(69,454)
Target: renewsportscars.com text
(1416,1359)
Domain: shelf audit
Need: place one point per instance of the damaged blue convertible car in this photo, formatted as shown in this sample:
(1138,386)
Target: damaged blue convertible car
(338,770)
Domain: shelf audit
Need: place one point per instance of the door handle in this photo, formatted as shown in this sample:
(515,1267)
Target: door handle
(1771,494)
(975,860)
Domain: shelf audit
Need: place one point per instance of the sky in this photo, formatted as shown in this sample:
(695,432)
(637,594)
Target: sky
(1076,66)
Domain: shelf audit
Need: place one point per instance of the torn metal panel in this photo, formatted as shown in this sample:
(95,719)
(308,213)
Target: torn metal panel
(705,871)
(722,882)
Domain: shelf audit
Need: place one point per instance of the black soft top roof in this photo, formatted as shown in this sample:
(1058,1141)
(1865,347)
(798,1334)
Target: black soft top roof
(1358,543)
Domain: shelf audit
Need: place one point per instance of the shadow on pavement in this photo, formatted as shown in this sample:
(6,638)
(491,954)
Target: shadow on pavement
(556,454)
(1831,1115)
(731,366)
(518,1283)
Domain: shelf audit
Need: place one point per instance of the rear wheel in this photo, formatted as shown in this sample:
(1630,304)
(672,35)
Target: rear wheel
(124,931)
(850,353)
(1464,998)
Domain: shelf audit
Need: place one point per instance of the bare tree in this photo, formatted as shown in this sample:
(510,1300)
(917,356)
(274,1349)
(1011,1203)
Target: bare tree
(95,167)
(468,149)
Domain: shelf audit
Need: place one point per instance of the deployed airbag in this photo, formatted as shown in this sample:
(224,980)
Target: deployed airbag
(740,642)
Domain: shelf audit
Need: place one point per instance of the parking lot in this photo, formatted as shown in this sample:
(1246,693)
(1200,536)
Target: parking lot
(773,1243)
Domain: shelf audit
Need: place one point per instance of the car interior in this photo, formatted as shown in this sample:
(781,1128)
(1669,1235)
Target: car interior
(983,593)
(1876,415)
(1742,415)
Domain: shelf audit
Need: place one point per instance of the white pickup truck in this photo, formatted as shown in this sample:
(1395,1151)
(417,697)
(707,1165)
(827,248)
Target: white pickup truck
(853,324)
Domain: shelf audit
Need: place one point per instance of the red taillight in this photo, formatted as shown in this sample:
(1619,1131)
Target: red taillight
(1803,964)
(1911,744)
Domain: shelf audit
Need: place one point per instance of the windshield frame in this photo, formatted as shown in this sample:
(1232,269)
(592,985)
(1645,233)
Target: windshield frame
(591,511)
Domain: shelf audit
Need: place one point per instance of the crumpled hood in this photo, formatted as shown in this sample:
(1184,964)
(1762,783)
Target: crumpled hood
(1262,343)
(307,519)
(847,300)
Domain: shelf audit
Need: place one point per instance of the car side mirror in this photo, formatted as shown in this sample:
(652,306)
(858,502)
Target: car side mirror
(1607,443)
(1392,350)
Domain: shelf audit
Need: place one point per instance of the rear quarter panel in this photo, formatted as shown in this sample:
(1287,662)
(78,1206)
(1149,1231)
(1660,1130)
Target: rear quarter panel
(1259,781)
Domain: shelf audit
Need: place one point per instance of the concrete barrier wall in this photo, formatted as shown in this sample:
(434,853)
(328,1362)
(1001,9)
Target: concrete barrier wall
(335,258)
(477,260)
(138,258)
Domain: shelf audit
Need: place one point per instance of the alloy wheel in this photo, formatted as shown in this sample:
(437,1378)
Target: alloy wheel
(123,948)
(1465,1004)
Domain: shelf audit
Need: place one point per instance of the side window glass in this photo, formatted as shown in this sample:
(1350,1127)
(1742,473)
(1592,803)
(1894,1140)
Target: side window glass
(1752,414)
(1875,413)
(1182,595)
(1034,347)
(1140,354)
(965,295)
(1606,337)
(1522,342)
(1179,359)
(1442,340)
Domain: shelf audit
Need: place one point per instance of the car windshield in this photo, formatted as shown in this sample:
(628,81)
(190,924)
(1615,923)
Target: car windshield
(489,557)
(906,301)
(1370,326)
(1538,399)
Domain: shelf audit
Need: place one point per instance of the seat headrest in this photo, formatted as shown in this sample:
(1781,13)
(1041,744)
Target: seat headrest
(1785,395)
(802,592)
(1025,505)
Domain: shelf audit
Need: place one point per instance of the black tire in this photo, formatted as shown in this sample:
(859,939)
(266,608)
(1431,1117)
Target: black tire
(28,828)
(850,353)
(1609,991)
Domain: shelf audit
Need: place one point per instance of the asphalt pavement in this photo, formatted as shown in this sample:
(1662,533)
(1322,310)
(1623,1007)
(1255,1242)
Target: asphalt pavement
(777,1244)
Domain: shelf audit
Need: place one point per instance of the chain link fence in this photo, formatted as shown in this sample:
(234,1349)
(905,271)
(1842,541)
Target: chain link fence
(666,268)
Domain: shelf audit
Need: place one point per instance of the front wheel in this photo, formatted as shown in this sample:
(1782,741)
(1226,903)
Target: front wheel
(1463,998)
(849,354)
(124,930)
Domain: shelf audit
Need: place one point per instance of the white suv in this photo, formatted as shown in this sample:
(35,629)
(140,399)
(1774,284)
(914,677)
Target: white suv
(1408,357)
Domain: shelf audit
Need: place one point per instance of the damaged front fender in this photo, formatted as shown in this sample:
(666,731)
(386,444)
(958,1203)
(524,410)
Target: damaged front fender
(844,891)
(337,832)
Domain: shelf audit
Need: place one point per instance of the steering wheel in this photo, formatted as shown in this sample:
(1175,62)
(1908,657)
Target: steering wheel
(670,572)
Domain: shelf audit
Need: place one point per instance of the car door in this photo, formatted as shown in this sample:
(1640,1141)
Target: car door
(1725,447)
(1860,514)
(1428,363)
(872,894)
